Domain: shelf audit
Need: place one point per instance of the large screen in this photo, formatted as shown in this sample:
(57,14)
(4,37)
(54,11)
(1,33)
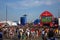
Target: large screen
(46,19)
(59,21)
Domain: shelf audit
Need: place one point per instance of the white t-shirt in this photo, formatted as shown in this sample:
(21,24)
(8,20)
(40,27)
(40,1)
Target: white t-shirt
(43,32)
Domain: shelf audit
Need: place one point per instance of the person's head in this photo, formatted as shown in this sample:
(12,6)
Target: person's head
(0,29)
(51,29)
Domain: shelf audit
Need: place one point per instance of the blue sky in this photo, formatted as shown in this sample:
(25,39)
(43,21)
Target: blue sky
(33,8)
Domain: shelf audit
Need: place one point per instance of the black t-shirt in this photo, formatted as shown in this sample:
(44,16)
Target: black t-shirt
(0,34)
(50,34)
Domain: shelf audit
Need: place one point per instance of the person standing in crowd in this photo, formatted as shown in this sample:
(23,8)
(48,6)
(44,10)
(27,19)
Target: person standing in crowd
(1,34)
(24,36)
(51,34)
(46,34)
(17,30)
(28,32)
(19,36)
(56,32)
(5,32)
(43,34)
(33,33)
(20,33)
(37,35)
(59,31)
(11,32)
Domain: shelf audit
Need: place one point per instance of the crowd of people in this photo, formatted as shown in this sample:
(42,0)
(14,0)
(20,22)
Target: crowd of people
(29,33)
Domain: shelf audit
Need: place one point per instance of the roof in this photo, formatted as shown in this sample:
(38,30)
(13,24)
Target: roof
(1,24)
(11,23)
(46,13)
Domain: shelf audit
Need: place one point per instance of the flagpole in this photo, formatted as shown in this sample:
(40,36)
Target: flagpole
(6,15)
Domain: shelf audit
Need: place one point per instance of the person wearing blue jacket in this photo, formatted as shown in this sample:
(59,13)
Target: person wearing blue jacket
(1,37)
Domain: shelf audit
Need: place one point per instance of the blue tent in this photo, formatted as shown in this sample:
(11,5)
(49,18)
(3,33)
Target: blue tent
(37,21)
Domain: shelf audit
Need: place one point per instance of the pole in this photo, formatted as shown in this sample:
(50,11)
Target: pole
(6,14)
(6,23)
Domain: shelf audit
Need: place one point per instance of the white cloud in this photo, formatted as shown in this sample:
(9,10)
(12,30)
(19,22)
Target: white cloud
(30,3)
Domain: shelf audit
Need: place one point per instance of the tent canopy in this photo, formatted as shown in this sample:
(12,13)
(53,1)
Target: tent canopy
(46,13)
